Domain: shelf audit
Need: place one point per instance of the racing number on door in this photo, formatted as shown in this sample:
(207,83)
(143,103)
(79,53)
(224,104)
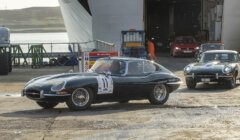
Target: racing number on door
(105,85)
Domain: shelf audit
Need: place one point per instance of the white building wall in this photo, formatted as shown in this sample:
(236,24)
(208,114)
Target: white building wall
(110,17)
(231,24)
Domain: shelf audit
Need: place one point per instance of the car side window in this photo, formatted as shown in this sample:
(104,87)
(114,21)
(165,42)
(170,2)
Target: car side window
(149,67)
(117,67)
(135,68)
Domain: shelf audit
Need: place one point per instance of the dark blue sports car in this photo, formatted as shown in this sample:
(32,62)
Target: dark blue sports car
(113,79)
(221,66)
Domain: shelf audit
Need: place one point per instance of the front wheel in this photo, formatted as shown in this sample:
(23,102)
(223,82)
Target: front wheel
(191,84)
(231,83)
(80,99)
(47,105)
(159,95)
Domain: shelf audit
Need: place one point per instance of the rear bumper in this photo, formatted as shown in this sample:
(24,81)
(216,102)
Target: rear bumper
(184,52)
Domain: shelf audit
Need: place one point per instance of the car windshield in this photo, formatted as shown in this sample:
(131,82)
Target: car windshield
(222,57)
(185,39)
(109,66)
(207,47)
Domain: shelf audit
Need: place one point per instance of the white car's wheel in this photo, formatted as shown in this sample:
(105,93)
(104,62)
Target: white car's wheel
(80,99)
(159,95)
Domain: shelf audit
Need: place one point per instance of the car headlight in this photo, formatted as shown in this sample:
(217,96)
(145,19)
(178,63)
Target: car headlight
(188,69)
(197,48)
(174,80)
(227,69)
(59,86)
(177,48)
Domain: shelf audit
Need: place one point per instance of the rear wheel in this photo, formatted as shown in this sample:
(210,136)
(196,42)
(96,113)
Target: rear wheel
(191,84)
(80,99)
(47,105)
(159,95)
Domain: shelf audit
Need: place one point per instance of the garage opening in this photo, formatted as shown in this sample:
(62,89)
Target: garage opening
(166,19)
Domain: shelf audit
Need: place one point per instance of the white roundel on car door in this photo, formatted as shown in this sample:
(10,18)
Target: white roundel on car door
(105,84)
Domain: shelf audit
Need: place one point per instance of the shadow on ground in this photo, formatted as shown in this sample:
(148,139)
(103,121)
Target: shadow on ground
(96,110)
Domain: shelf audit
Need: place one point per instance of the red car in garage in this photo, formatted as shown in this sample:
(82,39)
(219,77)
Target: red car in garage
(183,46)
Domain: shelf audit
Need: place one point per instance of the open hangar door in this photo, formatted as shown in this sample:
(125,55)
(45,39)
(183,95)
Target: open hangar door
(166,19)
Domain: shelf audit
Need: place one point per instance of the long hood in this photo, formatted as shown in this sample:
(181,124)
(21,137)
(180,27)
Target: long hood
(54,79)
(214,66)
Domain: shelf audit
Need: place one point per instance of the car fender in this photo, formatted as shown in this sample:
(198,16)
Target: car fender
(83,82)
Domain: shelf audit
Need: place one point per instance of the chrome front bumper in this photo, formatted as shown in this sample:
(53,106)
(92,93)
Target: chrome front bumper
(43,95)
(217,76)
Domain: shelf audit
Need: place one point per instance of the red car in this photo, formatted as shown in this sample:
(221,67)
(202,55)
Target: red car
(183,45)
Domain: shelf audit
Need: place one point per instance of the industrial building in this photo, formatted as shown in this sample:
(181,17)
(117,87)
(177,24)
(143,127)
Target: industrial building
(207,20)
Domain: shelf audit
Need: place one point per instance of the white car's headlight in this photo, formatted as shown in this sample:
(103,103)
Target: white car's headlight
(227,69)
(58,86)
(188,69)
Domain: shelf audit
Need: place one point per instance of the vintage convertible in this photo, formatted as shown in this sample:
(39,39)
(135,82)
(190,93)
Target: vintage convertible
(220,66)
(113,79)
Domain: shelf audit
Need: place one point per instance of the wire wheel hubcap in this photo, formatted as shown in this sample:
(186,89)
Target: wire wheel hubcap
(80,97)
(160,92)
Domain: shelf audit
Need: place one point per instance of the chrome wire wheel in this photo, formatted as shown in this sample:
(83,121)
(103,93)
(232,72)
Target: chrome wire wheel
(80,97)
(160,92)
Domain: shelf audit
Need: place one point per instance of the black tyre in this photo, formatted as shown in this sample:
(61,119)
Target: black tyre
(80,99)
(231,83)
(10,61)
(47,105)
(191,84)
(4,66)
(159,95)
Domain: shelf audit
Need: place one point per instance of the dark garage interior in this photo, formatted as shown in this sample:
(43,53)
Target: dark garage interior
(165,19)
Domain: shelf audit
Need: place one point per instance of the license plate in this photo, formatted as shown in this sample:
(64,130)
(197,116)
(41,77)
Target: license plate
(205,80)
(187,51)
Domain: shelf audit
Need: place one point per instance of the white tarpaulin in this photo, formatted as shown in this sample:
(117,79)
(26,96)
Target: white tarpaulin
(78,22)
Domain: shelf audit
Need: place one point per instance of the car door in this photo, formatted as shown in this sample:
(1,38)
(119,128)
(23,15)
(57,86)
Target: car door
(132,84)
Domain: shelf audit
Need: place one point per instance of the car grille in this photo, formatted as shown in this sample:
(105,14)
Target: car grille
(34,94)
(188,49)
(209,75)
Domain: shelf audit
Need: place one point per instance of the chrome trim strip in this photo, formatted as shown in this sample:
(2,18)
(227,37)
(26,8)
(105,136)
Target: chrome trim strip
(210,76)
(175,83)
(56,95)
(225,76)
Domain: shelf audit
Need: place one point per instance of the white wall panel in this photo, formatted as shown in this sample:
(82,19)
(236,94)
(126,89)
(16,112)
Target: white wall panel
(231,24)
(110,17)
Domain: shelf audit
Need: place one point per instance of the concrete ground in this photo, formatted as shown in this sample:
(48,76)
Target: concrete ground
(209,112)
